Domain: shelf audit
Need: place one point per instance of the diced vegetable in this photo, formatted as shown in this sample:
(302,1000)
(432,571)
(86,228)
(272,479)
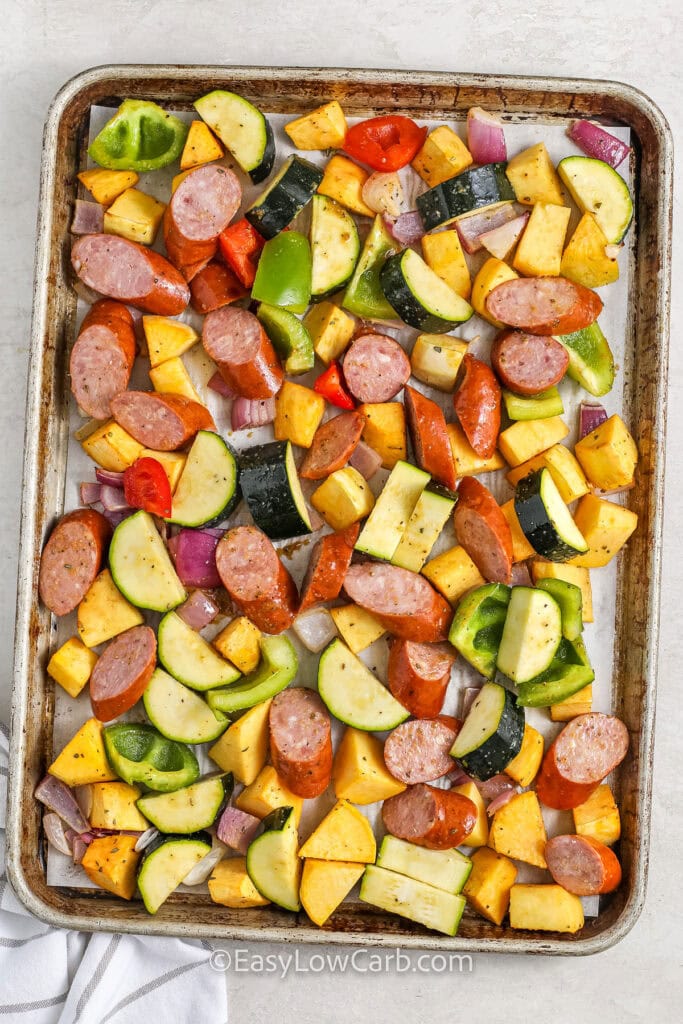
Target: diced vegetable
(364,294)
(59,798)
(140,754)
(353,694)
(83,759)
(444,869)
(485,137)
(266,793)
(563,468)
(105,185)
(240,643)
(545,519)
(385,143)
(472,228)
(605,526)
(359,773)
(545,908)
(343,834)
(389,519)
(588,259)
(188,809)
(242,129)
(443,253)
(88,218)
(283,275)
(236,828)
(525,439)
(272,861)
(343,499)
(478,625)
(533,177)
(521,548)
(172,378)
(134,215)
(141,136)
(443,155)
(298,414)
(323,128)
(178,713)
(253,412)
(608,455)
(278,667)
(479,836)
(517,830)
(166,863)
(487,889)
(332,387)
(272,489)
(201,147)
(166,338)
(331,330)
(568,597)
(453,573)
(472,189)
(111,447)
(420,297)
(598,143)
(343,180)
(531,634)
(580,577)
(141,565)
(501,240)
(524,768)
(426,522)
(385,431)
(539,407)
(491,274)
(104,612)
(243,748)
(71,666)
(467,462)
(194,555)
(113,806)
(358,627)
(290,338)
(591,416)
(111,863)
(579,703)
(598,816)
(406,229)
(414,900)
(231,886)
(491,734)
(539,252)
(596,188)
(335,247)
(315,628)
(324,885)
(198,611)
(383,193)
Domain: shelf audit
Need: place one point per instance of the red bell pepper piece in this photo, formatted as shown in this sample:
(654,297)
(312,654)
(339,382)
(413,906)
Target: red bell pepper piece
(385,143)
(240,246)
(331,386)
(146,486)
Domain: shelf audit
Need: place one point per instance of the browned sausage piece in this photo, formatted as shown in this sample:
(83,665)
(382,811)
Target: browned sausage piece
(256,579)
(375,368)
(333,445)
(121,675)
(528,364)
(301,741)
(327,567)
(403,601)
(477,405)
(483,530)
(544,305)
(131,273)
(585,752)
(102,357)
(436,818)
(201,207)
(429,437)
(72,558)
(243,352)
(158,421)
(419,674)
(419,751)
(582,865)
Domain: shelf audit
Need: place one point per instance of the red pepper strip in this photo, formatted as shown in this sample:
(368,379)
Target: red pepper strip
(330,385)
(146,486)
(385,143)
(240,245)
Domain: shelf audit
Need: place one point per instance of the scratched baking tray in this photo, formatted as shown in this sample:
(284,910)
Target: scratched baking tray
(291,90)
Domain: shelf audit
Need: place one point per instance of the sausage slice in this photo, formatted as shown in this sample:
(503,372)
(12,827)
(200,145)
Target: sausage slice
(544,305)
(243,352)
(582,865)
(483,531)
(375,368)
(585,752)
(301,741)
(403,601)
(327,567)
(201,207)
(158,421)
(477,405)
(122,672)
(256,579)
(528,364)
(72,558)
(333,445)
(427,425)
(436,818)
(419,674)
(419,751)
(102,357)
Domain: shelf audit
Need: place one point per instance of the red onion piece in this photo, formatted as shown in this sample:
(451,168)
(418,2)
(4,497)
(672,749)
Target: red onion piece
(236,828)
(501,240)
(83,796)
(198,611)
(88,218)
(113,498)
(146,838)
(194,554)
(485,137)
(598,143)
(494,786)
(383,193)
(79,848)
(407,228)
(56,834)
(87,837)
(213,531)
(248,412)
(203,868)
(315,628)
(503,798)
(85,292)
(58,797)
(218,385)
(109,476)
(90,493)
(468,698)
(591,416)
(114,518)
(316,520)
(458,777)
(520,575)
(365,460)
(471,228)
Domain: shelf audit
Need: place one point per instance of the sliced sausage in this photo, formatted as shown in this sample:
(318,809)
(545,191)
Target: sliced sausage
(436,818)
(419,674)
(333,445)
(544,305)
(256,579)
(483,530)
(528,363)
(427,425)
(102,357)
(201,207)
(301,741)
(419,751)
(582,865)
(214,286)
(132,273)
(122,672)
(403,601)
(375,368)
(585,752)
(327,567)
(477,405)
(158,421)
(72,558)
(243,352)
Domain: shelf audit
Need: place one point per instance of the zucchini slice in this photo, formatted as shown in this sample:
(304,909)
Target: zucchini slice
(468,191)
(189,658)
(569,672)
(545,519)
(570,600)
(242,129)
(492,733)
(207,490)
(273,862)
(165,864)
(531,635)
(138,753)
(278,667)
(189,809)
(428,519)
(478,626)
(179,713)
(538,407)
(597,188)
(591,363)
(290,190)
(290,337)
(335,247)
(364,296)
(412,899)
(272,490)
(444,869)
(141,566)
(353,694)
(419,296)
(386,524)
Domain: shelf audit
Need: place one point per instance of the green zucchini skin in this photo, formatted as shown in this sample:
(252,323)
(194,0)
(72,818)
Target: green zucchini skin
(261,172)
(269,490)
(536,523)
(191,812)
(411,310)
(496,752)
(470,190)
(287,195)
(569,672)
(215,457)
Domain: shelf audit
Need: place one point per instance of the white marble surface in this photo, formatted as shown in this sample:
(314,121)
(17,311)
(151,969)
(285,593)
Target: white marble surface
(45,43)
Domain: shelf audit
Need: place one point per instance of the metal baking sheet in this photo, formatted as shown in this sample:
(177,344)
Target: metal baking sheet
(534,109)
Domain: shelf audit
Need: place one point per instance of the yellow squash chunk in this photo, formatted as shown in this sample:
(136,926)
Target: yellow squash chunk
(83,759)
(453,573)
(608,455)
(357,627)
(564,469)
(134,215)
(491,274)
(111,447)
(541,570)
(325,884)
(173,463)
(111,862)
(527,438)
(343,180)
(487,889)
(298,413)
(330,328)
(359,772)
(113,806)
(343,834)
(104,612)
(201,147)
(343,499)
(436,358)
(539,252)
(586,259)
(443,253)
(323,128)
(266,793)
(104,186)
(517,830)
(231,886)
(545,908)
(521,548)
(385,431)
(172,378)
(467,462)
(605,526)
(243,749)
(443,155)
(479,836)
(524,767)
(598,816)
(534,178)
(578,704)
(167,338)
(240,643)
(71,666)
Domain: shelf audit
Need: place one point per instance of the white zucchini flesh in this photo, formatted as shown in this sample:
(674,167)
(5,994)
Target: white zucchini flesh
(353,694)
(531,635)
(443,869)
(189,658)
(179,713)
(141,566)
(164,869)
(412,899)
(387,523)
(274,865)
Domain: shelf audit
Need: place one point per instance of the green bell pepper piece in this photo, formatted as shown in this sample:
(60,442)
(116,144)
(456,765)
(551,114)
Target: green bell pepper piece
(289,336)
(283,275)
(278,667)
(478,626)
(138,753)
(570,600)
(141,136)
(364,295)
(570,670)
